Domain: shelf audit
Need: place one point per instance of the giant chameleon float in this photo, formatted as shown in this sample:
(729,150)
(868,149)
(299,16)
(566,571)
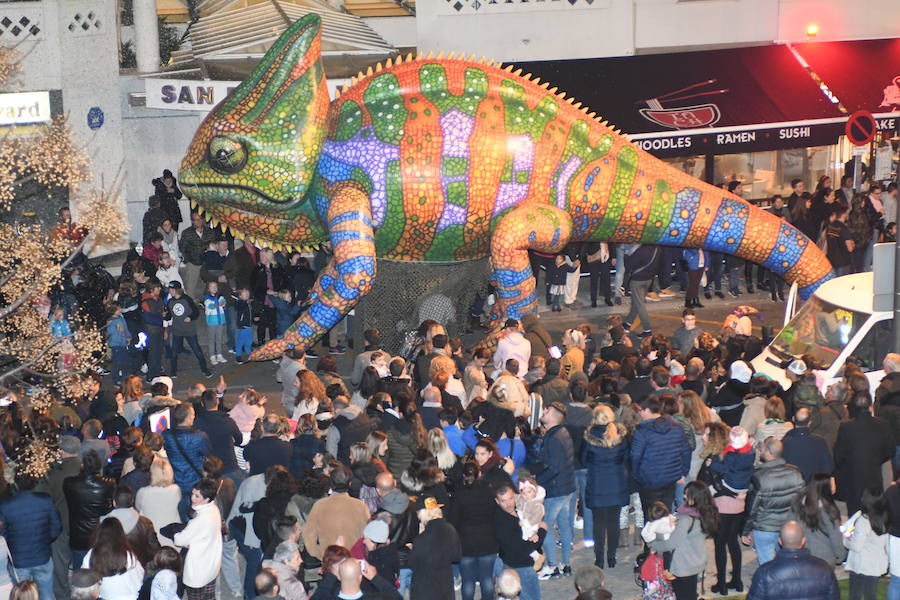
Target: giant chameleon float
(442,160)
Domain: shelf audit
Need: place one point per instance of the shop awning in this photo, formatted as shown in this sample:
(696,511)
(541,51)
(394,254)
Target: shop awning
(718,101)
(862,75)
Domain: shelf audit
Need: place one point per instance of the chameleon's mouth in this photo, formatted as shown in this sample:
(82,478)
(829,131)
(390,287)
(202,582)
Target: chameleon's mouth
(229,211)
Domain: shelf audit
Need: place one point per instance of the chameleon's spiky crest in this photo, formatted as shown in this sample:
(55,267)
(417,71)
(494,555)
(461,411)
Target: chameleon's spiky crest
(509,68)
(552,91)
(517,72)
(378,68)
(430,56)
(390,62)
(410,56)
(369,72)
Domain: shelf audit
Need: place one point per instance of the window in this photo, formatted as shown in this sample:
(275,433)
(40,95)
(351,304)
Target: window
(872,349)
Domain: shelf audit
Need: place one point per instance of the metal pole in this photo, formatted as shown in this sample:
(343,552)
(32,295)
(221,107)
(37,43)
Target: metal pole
(897,253)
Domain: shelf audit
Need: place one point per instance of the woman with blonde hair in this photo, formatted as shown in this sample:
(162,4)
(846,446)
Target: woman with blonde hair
(446,460)
(306,445)
(604,455)
(697,414)
(310,393)
(441,365)
(572,361)
(159,500)
(378,446)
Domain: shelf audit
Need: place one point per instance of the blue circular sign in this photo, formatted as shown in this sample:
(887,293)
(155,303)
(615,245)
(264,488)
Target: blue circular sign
(95,117)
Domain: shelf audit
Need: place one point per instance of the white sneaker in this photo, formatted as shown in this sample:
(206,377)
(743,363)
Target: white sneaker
(588,543)
(144,368)
(222,359)
(548,572)
(579,523)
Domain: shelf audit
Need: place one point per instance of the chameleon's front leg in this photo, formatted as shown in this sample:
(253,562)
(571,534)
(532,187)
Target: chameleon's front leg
(347,277)
(532,226)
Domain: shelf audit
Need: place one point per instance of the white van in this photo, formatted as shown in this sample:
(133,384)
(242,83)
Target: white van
(836,323)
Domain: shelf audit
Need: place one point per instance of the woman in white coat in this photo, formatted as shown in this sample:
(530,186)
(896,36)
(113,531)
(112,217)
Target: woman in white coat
(203,539)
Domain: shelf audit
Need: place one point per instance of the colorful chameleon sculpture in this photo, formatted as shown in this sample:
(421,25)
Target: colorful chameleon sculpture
(447,160)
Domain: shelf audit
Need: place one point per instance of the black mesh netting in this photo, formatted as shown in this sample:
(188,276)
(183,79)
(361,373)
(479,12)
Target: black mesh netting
(406,293)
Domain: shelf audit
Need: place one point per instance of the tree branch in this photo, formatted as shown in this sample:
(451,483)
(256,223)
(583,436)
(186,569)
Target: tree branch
(25,366)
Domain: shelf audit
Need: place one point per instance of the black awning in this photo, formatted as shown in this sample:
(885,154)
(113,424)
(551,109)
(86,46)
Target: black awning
(862,75)
(719,101)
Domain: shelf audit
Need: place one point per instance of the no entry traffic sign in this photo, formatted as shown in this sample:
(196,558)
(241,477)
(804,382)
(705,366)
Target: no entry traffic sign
(861,128)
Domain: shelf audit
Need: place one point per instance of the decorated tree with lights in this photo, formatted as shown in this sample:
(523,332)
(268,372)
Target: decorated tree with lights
(33,257)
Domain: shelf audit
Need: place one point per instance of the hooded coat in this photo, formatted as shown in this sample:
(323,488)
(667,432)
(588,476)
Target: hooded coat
(537,336)
(605,459)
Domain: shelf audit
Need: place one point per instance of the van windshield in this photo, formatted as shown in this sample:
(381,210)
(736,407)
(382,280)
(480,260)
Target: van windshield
(820,329)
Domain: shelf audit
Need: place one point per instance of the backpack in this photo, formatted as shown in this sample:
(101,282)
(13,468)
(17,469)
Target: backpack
(369,495)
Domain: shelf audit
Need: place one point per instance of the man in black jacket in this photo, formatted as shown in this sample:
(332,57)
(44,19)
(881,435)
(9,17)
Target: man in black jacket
(772,489)
(270,449)
(620,347)
(794,573)
(223,434)
(862,446)
(514,551)
(89,496)
(556,474)
(806,450)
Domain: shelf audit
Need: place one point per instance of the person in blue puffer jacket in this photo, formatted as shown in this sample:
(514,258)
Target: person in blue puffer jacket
(186,448)
(660,455)
(30,524)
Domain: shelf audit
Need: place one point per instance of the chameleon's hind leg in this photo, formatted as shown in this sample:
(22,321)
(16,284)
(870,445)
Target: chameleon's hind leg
(532,226)
(347,277)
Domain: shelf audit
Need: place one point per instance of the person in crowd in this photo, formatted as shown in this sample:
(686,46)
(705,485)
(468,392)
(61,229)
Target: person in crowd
(729,399)
(660,454)
(160,500)
(604,455)
(167,193)
(223,433)
(509,585)
(471,512)
(862,445)
(372,338)
(69,465)
(774,424)
(285,563)
(162,576)
(350,425)
(620,346)
(89,496)
(697,519)
(266,512)
(805,450)
(214,303)
(555,472)
(642,262)
(193,244)
(512,344)
(85,585)
(826,422)
(203,539)
(153,218)
(685,337)
(572,362)
(537,336)
(516,553)
(772,490)
(794,572)
(814,508)
(269,449)
(841,245)
(112,558)
(184,314)
(139,531)
(433,553)
(186,448)
(250,407)
(338,515)
(866,539)
(30,523)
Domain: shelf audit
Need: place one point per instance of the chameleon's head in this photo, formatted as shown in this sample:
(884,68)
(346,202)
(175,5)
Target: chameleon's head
(251,162)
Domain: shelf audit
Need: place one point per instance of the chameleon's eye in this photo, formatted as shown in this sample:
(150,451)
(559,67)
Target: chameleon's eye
(227,156)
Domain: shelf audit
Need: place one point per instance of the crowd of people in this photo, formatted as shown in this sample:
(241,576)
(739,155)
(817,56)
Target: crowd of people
(440,468)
